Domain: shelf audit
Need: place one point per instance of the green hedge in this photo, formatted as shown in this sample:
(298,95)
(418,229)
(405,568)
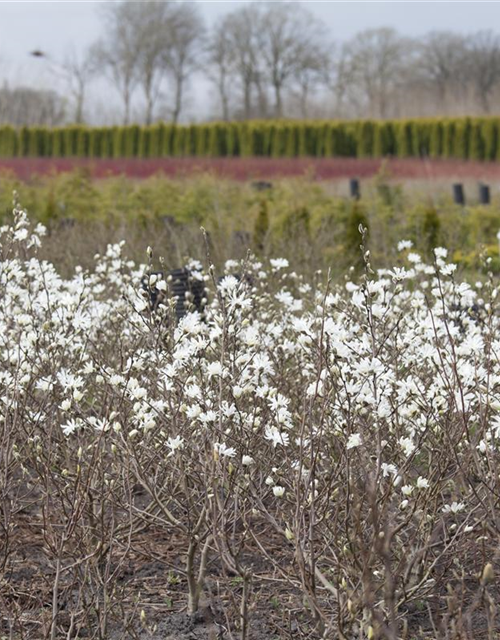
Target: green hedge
(463,138)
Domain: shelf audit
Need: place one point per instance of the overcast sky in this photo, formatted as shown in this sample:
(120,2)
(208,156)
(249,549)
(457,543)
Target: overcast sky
(55,27)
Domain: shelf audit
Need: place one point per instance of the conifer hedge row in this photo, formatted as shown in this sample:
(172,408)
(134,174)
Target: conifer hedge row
(465,138)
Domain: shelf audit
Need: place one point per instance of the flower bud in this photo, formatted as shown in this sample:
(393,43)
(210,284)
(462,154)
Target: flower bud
(488,574)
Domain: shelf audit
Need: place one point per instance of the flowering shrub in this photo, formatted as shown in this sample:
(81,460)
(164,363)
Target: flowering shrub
(345,436)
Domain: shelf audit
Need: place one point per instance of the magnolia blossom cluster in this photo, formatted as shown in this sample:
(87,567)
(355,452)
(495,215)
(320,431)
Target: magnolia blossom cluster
(392,346)
(281,391)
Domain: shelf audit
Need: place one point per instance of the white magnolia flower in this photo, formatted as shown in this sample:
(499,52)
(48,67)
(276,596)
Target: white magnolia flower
(482,446)
(440,252)
(388,469)
(448,269)
(454,507)
(276,436)
(70,427)
(44,385)
(407,445)
(279,491)
(279,263)
(422,483)
(214,369)
(222,449)
(405,244)
(99,424)
(21,234)
(139,393)
(193,411)
(175,444)
(398,274)
(354,441)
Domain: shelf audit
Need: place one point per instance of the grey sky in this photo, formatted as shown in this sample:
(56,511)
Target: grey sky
(55,27)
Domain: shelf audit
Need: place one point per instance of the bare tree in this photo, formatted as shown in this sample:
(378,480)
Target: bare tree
(118,52)
(484,58)
(442,63)
(75,72)
(378,59)
(184,50)
(23,106)
(220,66)
(243,29)
(313,69)
(339,81)
(78,72)
(153,23)
(290,46)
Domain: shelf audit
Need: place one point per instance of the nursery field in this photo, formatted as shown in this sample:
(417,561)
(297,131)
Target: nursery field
(296,437)
(312,223)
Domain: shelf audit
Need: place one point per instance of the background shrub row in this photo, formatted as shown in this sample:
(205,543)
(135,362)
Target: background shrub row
(464,138)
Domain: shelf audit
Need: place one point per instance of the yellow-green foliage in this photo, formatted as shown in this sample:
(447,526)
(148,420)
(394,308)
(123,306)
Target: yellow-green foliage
(298,218)
(261,226)
(464,138)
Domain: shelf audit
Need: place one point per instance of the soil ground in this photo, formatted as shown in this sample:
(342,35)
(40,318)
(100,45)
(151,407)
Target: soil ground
(151,580)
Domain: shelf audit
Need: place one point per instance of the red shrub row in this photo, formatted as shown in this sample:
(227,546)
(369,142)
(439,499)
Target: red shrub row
(257,168)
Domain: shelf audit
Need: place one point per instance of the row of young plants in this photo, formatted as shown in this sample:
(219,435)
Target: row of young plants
(336,444)
(298,219)
(462,138)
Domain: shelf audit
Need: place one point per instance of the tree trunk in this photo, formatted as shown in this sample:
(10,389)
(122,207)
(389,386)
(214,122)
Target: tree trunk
(485,102)
(247,99)
(178,100)
(278,107)
(149,110)
(304,95)
(223,97)
(225,107)
(262,99)
(382,104)
(126,101)
(148,92)
(79,108)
